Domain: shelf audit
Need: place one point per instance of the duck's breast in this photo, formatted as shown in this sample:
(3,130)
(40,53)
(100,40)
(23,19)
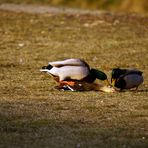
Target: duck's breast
(133,80)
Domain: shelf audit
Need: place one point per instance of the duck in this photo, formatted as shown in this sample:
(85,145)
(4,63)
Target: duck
(126,78)
(70,71)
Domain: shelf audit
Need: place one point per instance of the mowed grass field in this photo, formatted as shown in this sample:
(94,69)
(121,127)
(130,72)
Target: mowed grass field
(33,114)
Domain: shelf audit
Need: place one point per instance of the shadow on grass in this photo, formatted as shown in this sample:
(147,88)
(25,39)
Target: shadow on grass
(142,90)
(134,91)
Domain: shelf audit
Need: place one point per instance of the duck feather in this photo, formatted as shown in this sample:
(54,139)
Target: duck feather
(69,62)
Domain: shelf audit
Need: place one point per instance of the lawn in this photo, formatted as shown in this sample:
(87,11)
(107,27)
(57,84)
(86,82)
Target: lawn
(33,114)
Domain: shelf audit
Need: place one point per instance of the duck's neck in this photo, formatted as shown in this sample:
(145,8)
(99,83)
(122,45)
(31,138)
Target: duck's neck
(98,74)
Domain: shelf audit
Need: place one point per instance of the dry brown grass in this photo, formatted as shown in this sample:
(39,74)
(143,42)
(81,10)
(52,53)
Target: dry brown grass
(33,114)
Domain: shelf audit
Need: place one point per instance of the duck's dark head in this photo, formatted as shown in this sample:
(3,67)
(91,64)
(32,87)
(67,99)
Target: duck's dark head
(97,74)
(116,73)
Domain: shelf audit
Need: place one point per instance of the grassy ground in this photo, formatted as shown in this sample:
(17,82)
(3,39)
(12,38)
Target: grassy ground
(34,115)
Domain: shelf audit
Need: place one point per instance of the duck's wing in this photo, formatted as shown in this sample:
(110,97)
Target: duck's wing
(69,62)
(133,71)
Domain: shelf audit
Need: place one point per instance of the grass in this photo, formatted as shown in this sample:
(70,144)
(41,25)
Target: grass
(33,114)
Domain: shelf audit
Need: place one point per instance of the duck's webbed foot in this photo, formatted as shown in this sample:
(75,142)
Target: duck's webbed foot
(135,89)
(66,85)
(64,88)
(69,83)
(71,86)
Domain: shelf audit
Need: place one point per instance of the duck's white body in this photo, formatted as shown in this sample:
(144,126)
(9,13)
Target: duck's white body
(68,72)
(75,69)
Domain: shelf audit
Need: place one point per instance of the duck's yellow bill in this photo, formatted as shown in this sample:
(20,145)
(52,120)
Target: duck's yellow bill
(113,82)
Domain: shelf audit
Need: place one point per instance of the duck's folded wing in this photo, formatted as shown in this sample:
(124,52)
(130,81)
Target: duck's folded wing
(133,71)
(69,62)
